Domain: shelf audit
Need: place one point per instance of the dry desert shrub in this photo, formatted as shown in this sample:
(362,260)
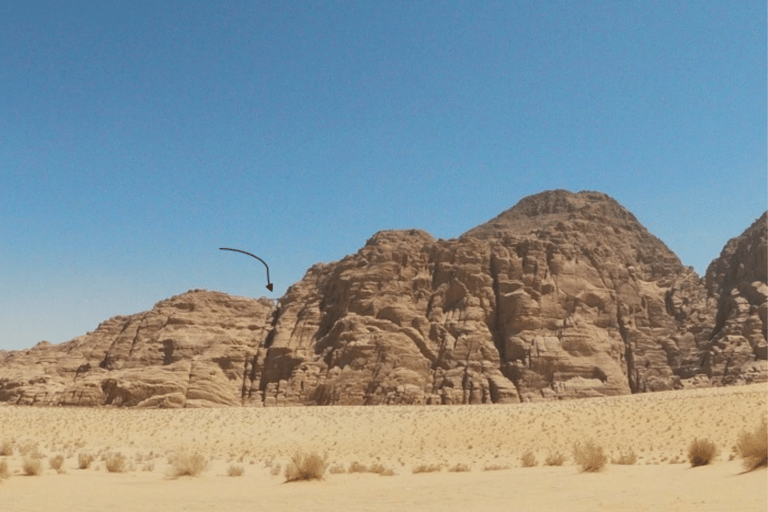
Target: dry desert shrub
(356,467)
(377,468)
(84,460)
(626,459)
(554,459)
(387,472)
(335,470)
(427,468)
(495,467)
(6,448)
(148,467)
(116,463)
(701,452)
(459,468)
(528,460)
(235,470)
(590,457)
(753,447)
(56,463)
(32,466)
(4,472)
(187,464)
(305,466)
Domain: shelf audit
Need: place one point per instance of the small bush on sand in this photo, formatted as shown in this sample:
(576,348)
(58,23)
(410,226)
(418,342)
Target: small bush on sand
(188,464)
(427,468)
(116,463)
(590,457)
(235,470)
(377,468)
(528,460)
(495,467)
(387,472)
(554,459)
(56,462)
(626,458)
(84,460)
(4,472)
(459,468)
(6,449)
(335,470)
(356,467)
(304,466)
(753,447)
(32,466)
(701,452)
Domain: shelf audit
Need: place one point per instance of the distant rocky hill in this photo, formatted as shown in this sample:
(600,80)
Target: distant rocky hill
(562,296)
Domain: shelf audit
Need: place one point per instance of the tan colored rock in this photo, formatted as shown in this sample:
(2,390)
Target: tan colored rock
(563,296)
(737,282)
(191,350)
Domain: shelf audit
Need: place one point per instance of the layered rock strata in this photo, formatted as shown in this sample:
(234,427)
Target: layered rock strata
(562,296)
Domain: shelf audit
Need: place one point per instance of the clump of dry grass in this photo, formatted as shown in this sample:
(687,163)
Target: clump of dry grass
(335,470)
(701,452)
(753,447)
(528,460)
(459,468)
(356,467)
(4,472)
(116,463)
(84,460)
(377,469)
(554,459)
(305,466)
(187,464)
(235,470)
(495,467)
(6,448)
(427,468)
(56,463)
(590,457)
(626,458)
(32,465)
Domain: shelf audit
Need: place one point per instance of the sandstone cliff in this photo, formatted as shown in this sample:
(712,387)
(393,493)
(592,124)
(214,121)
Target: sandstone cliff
(562,296)
(737,281)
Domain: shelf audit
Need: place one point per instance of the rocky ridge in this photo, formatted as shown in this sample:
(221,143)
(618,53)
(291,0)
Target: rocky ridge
(562,296)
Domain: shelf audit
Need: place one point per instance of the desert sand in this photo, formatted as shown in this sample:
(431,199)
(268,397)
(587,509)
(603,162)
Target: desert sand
(488,439)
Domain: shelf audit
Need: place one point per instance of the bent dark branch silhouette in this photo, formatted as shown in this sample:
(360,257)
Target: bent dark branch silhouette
(269,285)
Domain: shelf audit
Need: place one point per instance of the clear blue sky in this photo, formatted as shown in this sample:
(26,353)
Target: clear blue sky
(136,138)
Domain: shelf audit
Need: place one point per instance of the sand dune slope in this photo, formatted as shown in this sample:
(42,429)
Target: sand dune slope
(657,427)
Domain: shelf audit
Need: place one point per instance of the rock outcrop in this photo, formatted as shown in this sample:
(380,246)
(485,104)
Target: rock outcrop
(192,350)
(737,281)
(562,296)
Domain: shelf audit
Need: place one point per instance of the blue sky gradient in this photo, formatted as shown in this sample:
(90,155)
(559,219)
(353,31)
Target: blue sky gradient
(136,138)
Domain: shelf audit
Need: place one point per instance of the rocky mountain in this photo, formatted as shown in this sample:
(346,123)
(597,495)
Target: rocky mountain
(562,296)
(737,282)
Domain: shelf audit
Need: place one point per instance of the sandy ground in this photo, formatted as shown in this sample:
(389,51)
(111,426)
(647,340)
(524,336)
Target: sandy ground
(658,427)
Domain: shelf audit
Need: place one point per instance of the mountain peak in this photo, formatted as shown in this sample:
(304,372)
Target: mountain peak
(551,207)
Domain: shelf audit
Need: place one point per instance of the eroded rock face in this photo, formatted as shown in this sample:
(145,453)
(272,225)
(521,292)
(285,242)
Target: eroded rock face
(737,282)
(191,350)
(562,296)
